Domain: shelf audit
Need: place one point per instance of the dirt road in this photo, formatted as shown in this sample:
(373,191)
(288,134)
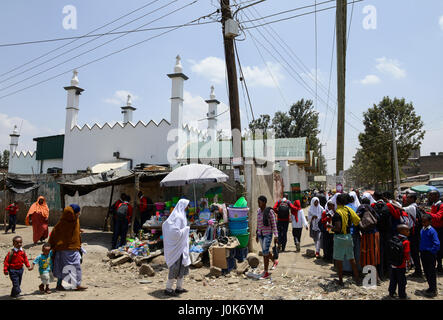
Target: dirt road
(296,277)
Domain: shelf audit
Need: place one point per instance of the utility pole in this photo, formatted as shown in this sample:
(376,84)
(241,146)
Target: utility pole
(397,172)
(341,21)
(234,104)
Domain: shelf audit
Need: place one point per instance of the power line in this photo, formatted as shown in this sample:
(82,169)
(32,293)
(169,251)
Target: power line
(106,34)
(81,45)
(99,46)
(296,16)
(304,85)
(49,52)
(244,80)
(97,60)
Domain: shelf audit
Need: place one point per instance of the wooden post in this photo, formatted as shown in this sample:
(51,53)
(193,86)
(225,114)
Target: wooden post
(4,196)
(234,104)
(341,20)
(134,211)
(105,225)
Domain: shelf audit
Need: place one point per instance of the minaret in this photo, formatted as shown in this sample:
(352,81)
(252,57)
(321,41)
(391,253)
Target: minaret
(73,102)
(14,141)
(128,110)
(212,113)
(178,79)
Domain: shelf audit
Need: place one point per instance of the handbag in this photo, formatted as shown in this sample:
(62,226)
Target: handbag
(275,252)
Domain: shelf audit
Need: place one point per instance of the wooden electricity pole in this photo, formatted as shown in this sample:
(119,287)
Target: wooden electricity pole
(234,104)
(341,17)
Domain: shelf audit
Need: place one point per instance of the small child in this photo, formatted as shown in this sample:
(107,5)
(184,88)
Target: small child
(44,262)
(398,272)
(13,265)
(429,247)
(12,211)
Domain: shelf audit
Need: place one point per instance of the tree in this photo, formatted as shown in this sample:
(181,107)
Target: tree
(4,160)
(301,120)
(262,124)
(374,160)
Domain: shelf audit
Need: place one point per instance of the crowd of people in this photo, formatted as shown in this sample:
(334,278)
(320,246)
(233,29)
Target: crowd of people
(356,230)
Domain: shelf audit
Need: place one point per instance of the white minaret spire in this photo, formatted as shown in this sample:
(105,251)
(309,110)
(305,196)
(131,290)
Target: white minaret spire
(14,141)
(72,105)
(128,110)
(211,115)
(178,79)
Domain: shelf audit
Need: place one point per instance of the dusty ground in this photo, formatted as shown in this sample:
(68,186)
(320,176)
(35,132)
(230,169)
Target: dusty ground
(296,277)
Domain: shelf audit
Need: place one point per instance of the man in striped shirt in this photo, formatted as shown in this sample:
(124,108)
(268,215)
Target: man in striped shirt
(266,227)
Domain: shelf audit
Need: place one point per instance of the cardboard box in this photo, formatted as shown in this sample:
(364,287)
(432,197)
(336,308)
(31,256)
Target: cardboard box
(217,257)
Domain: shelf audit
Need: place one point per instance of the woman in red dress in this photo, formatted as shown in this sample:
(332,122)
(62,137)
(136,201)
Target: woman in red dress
(38,216)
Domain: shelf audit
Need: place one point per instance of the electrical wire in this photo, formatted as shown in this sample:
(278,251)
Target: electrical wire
(98,59)
(104,34)
(303,82)
(89,50)
(107,24)
(296,16)
(99,46)
(244,80)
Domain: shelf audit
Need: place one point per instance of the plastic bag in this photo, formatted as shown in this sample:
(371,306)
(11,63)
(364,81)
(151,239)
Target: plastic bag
(241,203)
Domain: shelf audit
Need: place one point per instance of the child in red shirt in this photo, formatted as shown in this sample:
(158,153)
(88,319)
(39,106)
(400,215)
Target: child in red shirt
(398,273)
(13,265)
(12,211)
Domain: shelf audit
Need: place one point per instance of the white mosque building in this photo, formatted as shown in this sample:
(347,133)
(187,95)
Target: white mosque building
(124,144)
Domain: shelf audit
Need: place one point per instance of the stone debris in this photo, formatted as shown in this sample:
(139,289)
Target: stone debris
(253,260)
(145,281)
(147,269)
(215,271)
(242,267)
(121,260)
(114,254)
(233,281)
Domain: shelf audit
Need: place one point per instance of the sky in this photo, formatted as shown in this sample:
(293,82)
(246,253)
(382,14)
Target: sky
(394,49)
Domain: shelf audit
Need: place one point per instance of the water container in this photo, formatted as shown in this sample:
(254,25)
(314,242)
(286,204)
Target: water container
(237,212)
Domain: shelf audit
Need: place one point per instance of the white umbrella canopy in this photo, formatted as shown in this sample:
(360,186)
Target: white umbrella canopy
(193,173)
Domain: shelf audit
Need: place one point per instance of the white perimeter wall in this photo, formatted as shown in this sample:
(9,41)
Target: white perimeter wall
(51,163)
(24,164)
(293,174)
(143,144)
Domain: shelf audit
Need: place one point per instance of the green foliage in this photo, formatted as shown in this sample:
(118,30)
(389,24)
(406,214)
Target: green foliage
(4,159)
(300,121)
(373,161)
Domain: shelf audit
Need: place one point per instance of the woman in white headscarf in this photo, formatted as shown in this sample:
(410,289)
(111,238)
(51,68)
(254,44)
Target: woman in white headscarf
(314,216)
(176,247)
(356,203)
(369,196)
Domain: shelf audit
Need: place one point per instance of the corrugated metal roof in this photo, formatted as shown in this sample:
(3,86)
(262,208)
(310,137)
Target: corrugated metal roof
(288,148)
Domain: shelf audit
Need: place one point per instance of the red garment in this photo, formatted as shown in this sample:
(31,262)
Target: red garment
(437,215)
(394,211)
(324,219)
(297,206)
(12,210)
(291,207)
(129,213)
(407,251)
(39,227)
(143,204)
(18,259)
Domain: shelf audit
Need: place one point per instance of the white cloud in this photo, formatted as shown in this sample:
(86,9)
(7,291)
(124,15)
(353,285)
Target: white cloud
(120,98)
(370,79)
(261,77)
(391,67)
(195,109)
(440,22)
(214,69)
(27,134)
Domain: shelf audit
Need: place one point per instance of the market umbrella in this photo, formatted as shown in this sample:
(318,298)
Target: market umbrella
(424,188)
(192,174)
